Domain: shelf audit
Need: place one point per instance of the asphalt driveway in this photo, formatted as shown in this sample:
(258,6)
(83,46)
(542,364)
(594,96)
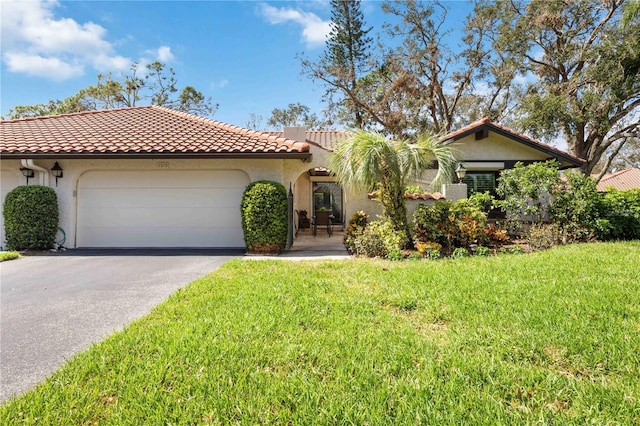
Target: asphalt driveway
(52,307)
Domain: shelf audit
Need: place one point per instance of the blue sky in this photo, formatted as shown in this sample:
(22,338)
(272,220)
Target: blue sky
(241,53)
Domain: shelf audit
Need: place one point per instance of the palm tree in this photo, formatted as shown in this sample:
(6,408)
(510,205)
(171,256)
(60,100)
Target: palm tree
(368,160)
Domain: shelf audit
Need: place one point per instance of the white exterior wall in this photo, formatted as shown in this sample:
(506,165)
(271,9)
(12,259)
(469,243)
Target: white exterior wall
(495,148)
(256,169)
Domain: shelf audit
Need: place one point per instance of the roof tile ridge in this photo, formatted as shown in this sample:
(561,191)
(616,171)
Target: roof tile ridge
(614,174)
(183,114)
(77,114)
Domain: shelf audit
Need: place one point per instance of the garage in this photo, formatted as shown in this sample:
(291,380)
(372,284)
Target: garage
(163,208)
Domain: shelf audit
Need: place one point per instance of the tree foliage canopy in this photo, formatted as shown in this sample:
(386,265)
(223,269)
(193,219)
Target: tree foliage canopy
(555,69)
(586,67)
(153,84)
(295,115)
(346,59)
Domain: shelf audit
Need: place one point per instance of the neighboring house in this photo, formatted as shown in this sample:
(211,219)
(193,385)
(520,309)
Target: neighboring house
(154,177)
(621,180)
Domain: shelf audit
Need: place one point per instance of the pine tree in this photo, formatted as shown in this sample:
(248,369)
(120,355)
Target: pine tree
(345,59)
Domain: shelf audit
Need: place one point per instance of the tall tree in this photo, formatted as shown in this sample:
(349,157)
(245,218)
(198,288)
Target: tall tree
(346,58)
(584,68)
(154,84)
(295,115)
(369,160)
(419,83)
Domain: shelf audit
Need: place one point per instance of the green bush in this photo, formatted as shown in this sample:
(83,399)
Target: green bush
(380,239)
(459,253)
(264,217)
(31,218)
(458,224)
(542,236)
(575,207)
(526,190)
(620,215)
(483,251)
(357,223)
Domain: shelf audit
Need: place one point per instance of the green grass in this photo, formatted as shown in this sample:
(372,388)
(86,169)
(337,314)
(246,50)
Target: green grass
(9,255)
(547,338)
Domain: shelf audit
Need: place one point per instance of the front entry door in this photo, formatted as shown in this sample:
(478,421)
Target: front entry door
(328,196)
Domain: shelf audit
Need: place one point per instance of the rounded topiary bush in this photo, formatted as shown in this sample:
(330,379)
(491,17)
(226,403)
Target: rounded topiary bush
(264,217)
(31,218)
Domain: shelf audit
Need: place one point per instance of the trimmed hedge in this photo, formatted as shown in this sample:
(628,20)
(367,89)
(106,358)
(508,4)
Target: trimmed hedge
(264,217)
(31,218)
(620,215)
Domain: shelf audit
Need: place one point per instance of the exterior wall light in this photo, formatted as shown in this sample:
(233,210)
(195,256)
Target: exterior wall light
(56,170)
(461,172)
(28,173)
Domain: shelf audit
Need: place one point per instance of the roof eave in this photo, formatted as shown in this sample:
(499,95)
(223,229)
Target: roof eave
(575,162)
(305,156)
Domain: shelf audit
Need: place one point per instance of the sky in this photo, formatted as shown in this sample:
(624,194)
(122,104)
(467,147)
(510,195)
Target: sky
(245,55)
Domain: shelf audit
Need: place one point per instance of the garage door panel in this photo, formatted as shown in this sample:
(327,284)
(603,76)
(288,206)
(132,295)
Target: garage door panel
(161,198)
(163,179)
(198,208)
(160,237)
(142,217)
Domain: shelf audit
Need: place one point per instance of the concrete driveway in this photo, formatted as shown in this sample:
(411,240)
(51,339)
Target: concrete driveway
(52,307)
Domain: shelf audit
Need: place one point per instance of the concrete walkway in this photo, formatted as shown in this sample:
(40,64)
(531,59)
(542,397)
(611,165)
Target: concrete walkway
(308,247)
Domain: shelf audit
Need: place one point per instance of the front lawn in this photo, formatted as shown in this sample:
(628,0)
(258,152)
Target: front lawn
(9,255)
(550,338)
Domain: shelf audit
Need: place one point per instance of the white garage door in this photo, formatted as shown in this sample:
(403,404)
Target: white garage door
(161,208)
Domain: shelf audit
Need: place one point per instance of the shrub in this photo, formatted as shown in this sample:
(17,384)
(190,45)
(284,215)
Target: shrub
(434,255)
(380,239)
(516,250)
(31,218)
(544,236)
(620,215)
(483,251)
(449,224)
(264,217)
(494,235)
(482,200)
(460,252)
(426,247)
(526,190)
(575,207)
(432,223)
(357,223)
(414,256)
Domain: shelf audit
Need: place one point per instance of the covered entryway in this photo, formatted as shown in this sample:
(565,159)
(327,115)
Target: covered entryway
(163,208)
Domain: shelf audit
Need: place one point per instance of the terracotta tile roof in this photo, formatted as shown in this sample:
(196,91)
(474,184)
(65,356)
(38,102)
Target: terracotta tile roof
(622,180)
(138,132)
(413,196)
(325,138)
(486,124)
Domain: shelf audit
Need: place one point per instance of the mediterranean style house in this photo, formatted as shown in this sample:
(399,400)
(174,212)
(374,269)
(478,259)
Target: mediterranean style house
(154,177)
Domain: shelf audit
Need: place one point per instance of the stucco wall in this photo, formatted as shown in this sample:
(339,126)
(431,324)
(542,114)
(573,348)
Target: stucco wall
(494,148)
(257,169)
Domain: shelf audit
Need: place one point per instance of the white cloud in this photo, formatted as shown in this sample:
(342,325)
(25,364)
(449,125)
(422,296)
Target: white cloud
(314,29)
(39,66)
(164,54)
(223,83)
(37,43)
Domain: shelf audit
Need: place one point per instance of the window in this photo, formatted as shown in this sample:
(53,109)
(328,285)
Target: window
(480,182)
